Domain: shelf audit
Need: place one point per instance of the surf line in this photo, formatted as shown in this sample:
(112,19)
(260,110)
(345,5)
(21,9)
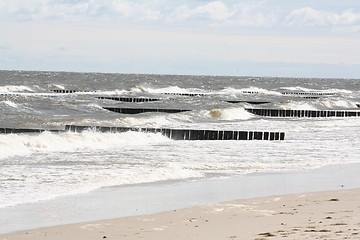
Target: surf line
(175,134)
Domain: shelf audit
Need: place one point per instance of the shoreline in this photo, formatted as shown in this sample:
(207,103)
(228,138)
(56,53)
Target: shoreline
(119,202)
(326,215)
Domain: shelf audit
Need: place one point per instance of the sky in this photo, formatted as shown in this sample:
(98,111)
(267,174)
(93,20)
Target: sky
(278,38)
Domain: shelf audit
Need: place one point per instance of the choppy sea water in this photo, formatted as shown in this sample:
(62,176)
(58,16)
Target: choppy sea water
(46,165)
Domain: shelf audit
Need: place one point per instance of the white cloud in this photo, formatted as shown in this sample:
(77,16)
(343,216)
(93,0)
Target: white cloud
(134,11)
(215,10)
(251,14)
(311,17)
(180,13)
(260,13)
(124,8)
(83,10)
(47,9)
(220,14)
(209,13)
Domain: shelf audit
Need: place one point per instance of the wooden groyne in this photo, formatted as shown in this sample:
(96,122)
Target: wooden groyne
(205,94)
(175,134)
(187,94)
(143,110)
(302,113)
(65,91)
(131,99)
(27,130)
(189,134)
(310,93)
(244,101)
(147,99)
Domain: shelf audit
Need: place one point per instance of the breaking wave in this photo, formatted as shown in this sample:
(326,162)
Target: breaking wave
(24,144)
(15,89)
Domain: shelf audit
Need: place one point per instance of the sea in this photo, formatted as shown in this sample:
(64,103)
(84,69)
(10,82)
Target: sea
(48,165)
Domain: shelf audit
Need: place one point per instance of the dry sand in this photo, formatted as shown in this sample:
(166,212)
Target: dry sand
(323,215)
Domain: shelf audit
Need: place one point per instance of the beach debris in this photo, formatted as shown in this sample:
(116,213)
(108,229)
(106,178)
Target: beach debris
(339,224)
(267,234)
(319,231)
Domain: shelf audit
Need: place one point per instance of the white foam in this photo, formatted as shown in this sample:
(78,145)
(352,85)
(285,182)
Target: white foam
(170,89)
(320,104)
(115,92)
(300,89)
(42,185)
(12,89)
(229,114)
(24,144)
(338,103)
(58,86)
(339,91)
(298,106)
(249,90)
(10,104)
(149,121)
(311,90)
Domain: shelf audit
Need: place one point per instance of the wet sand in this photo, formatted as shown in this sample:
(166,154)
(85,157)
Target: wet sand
(320,215)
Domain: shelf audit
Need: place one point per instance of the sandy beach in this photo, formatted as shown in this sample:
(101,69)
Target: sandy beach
(320,215)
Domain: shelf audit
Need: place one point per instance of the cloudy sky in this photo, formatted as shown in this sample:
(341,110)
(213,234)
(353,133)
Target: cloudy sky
(302,38)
